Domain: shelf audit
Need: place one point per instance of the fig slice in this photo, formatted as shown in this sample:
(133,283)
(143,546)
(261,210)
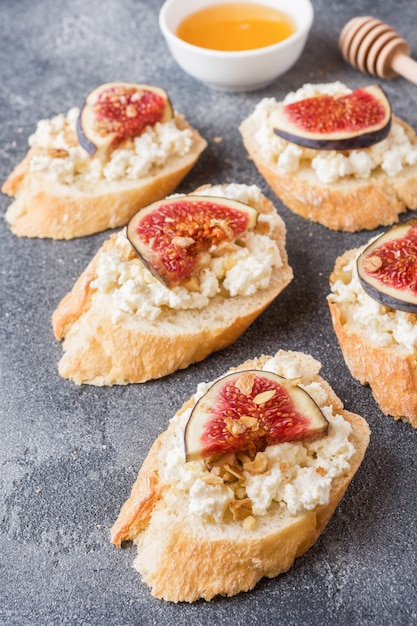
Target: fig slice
(249,410)
(387,268)
(118,111)
(345,122)
(172,235)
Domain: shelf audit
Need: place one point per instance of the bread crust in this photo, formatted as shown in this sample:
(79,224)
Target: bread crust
(180,562)
(100,352)
(391,373)
(349,204)
(50,210)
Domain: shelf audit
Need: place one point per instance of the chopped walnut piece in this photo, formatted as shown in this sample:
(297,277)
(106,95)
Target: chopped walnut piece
(245,383)
(235,426)
(220,460)
(212,479)
(228,478)
(259,465)
(235,471)
(249,422)
(240,492)
(241,509)
(223,226)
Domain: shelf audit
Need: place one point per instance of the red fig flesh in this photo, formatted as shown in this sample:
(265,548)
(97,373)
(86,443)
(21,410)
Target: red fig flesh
(114,112)
(348,122)
(171,235)
(387,268)
(249,410)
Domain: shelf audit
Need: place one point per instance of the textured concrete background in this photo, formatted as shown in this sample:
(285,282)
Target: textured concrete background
(69,454)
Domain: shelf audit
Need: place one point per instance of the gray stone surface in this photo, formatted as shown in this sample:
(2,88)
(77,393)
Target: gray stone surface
(69,454)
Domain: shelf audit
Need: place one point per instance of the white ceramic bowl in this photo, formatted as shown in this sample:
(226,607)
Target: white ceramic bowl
(236,71)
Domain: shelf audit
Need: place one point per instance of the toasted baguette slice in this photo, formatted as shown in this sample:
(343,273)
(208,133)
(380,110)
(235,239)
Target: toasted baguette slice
(350,203)
(102,350)
(372,339)
(183,555)
(48,208)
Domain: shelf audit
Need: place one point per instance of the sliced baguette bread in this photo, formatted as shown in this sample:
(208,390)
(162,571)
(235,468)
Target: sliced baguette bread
(61,192)
(189,546)
(378,343)
(120,325)
(349,191)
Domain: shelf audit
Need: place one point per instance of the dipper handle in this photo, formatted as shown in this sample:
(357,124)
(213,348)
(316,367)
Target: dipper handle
(375,48)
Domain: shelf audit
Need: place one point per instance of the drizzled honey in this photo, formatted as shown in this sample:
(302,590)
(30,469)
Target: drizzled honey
(235,27)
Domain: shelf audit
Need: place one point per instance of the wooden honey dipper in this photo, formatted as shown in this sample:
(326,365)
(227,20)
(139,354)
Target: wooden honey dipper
(377,49)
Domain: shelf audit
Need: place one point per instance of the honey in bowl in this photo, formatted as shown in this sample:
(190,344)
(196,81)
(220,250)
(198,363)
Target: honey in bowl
(235,27)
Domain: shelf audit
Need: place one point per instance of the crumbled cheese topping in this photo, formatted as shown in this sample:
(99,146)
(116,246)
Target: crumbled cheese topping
(74,166)
(299,475)
(391,154)
(382,325)
(244,267)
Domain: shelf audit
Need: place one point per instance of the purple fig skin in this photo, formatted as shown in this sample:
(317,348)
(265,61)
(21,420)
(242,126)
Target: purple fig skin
(89,139)
(400,299)
(153,258)
(387,300)
(85,143)
(292,416)
(353,143)
(338,139)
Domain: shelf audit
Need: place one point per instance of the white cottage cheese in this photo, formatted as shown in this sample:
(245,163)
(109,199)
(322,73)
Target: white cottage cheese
(150,150)
(299,475)
(391,155)
(244,268)
(382,325)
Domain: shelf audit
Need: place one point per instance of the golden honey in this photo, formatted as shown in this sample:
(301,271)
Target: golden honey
(235,27)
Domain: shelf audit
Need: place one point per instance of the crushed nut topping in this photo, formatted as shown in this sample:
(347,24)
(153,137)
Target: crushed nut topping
(245,383)
(229,469)
(234,426)
(262,398)
(223,226)
(250,423)
(234,470)
(372,263)
(212,479)
(241,509)
(183,242)
(259,465)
